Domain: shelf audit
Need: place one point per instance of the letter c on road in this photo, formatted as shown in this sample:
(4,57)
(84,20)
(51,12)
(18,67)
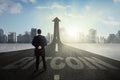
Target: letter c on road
(55,65)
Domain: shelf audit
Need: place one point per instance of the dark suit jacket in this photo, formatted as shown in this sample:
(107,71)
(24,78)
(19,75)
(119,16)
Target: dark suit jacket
(39,41)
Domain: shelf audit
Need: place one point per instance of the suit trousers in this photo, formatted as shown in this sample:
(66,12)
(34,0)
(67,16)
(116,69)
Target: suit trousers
(38,61)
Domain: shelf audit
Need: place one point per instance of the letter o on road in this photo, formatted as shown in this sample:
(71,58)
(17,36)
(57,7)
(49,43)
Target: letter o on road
(55,65)
(79,64)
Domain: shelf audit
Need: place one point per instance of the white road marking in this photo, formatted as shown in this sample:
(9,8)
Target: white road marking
(56,47)
(56,77)
(79,64)
(96,63)
(55,65)
(87,63)
(104,63)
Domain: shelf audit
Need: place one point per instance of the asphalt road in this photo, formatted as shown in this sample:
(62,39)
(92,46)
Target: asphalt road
(63,63)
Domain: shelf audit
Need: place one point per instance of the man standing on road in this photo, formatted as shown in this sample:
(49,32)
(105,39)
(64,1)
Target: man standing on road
(39,42)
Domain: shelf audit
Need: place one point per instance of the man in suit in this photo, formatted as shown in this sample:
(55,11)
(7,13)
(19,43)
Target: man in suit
(39,42)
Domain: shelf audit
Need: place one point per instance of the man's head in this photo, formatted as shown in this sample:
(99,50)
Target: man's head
(39,31)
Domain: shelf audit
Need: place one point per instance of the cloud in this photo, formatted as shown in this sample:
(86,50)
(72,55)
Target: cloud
(10,6)
(3,5)
(111,22)
(16,8)
(116,1)
(13,6)
(29,1)
(53,6)
(87,7)
(42,7)
(59,6)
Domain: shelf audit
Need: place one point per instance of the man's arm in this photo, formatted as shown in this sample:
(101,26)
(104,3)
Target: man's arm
(34,42)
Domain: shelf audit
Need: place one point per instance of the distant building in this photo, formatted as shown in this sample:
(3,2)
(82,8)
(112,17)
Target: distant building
(12,37)
(92,36)
(19,38)
(101,39)
(118,37)
(26,37)
(118,34)
(33,32)
(1,32)
(111,38)
(49,38)
(1,36)
(5,39)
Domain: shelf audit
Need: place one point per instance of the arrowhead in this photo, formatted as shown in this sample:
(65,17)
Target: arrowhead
(56,19)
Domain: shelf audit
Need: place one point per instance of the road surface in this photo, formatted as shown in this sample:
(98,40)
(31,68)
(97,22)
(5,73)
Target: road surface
(63,63)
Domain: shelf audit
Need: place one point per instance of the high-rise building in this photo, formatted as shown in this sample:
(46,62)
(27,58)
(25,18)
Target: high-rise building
(27,37)
(118,34)
(19,38)
(1,32)
(92,36)
(33,32)
(5,39)
(1,35)
(111,38)
(101,39)
(12,37)
(49,38)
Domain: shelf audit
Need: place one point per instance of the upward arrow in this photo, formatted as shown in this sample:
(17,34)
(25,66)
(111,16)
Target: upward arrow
(56,19)
(56,37)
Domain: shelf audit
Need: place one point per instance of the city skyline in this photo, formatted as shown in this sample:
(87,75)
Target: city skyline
(81,15)
(91,37)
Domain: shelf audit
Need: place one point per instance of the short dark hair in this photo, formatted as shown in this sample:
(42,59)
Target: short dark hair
(39,31)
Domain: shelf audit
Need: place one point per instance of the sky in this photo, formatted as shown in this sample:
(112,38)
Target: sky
(75,15)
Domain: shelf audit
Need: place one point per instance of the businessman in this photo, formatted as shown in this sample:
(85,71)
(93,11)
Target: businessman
(39,42)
